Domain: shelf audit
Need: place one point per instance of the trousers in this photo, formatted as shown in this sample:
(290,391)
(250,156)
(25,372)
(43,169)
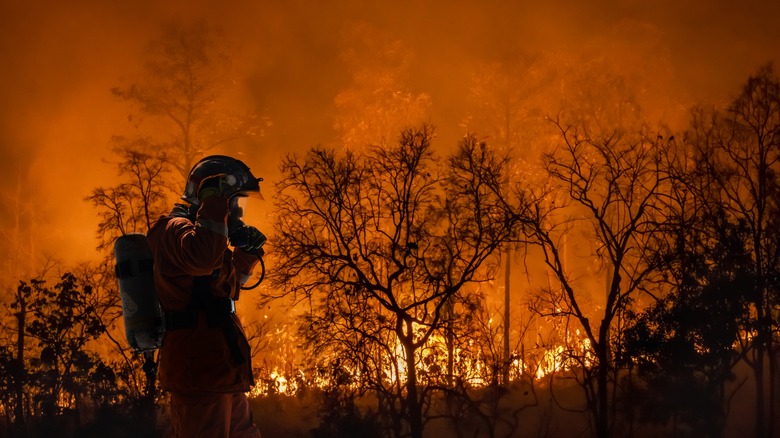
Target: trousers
(212,415)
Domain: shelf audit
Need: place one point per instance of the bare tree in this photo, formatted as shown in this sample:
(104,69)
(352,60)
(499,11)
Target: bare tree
(611,186)
(133,205)
(394,233)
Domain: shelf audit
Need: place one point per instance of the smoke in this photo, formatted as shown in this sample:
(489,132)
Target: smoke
(60,59)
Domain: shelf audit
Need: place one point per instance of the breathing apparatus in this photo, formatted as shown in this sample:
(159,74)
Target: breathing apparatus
(144,326)
(236,222)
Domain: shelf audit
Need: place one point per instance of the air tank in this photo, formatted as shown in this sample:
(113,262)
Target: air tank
(144,326)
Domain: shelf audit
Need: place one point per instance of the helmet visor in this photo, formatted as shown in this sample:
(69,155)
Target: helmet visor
(250,187)
(254,194)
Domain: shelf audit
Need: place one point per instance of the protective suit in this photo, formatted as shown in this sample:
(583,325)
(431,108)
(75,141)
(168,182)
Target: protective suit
(205,359)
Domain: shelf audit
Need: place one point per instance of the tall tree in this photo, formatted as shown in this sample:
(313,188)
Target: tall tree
(181,94)
(610,185)
(509,99)
(738,154)
(390,235)
(508,105)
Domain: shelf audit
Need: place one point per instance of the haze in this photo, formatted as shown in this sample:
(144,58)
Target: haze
(60,59)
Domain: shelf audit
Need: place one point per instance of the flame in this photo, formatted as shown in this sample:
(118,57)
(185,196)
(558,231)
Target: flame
(471,365)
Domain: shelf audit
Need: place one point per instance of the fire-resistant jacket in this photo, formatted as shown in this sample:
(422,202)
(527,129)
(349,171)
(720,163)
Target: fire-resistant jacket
(198,358)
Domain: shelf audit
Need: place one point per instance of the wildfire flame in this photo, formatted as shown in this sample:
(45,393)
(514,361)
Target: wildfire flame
(473,366)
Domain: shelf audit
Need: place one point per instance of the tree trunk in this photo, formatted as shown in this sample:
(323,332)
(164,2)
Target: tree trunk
(450,341)
(505,367)
(19,423)
(758,374)
(412,401)
(762,344)
(602,379)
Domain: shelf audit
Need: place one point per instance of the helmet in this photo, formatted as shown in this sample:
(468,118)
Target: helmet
(243,181)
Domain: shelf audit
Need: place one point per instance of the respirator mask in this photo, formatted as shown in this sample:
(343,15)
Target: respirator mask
(236,213)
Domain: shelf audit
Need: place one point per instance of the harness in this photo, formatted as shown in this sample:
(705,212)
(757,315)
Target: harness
(218,312)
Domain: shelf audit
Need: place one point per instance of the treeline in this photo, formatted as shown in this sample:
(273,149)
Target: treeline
(651,260)
(393,249)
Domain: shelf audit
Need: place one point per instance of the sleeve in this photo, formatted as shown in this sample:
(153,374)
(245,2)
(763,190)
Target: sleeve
(197,248)
(244,263)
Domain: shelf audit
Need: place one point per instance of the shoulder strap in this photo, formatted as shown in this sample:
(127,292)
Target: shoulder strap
(218,311)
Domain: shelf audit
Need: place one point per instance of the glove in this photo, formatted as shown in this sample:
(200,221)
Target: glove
(248,238)
(234,224)
(217,185)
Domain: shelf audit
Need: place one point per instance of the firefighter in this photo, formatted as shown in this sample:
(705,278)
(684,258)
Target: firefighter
(204,359)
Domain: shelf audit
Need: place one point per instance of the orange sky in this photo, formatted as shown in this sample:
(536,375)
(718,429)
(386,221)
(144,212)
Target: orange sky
(59,60)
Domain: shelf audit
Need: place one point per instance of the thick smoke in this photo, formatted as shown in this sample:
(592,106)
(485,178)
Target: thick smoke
(59,61)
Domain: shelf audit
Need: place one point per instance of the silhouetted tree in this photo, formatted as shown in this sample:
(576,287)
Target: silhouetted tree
(685,345)
(609,184)
(379,241)
(52,369)
(134,204)
(738,153)
(14,364)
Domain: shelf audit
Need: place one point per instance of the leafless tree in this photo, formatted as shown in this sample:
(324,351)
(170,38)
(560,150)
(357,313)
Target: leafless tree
(610,185)
(381,240)
(134,204)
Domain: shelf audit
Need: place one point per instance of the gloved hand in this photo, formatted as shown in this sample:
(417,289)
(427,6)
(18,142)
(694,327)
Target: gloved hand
(217,185)
(248,238)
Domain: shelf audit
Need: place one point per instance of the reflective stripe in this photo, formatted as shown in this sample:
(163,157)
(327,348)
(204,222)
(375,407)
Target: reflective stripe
(217,227)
